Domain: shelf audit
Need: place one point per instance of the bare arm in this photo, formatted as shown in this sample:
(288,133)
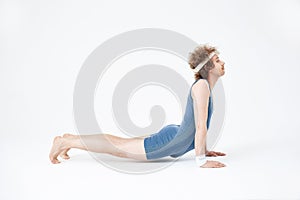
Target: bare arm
(200,95)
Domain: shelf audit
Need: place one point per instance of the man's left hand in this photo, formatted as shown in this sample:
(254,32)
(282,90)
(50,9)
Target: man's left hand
(214,153)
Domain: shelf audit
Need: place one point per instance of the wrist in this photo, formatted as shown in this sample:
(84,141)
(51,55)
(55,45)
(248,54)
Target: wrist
(200,160)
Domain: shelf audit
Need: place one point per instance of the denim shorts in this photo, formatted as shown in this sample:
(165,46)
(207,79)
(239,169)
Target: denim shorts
(155,142)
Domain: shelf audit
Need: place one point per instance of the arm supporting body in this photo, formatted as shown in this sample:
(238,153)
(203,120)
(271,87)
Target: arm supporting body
(200,95)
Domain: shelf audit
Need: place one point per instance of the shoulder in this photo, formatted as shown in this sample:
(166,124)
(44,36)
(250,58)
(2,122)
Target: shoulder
(200,88)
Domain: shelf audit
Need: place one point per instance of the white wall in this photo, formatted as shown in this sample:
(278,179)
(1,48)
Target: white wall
(44,43)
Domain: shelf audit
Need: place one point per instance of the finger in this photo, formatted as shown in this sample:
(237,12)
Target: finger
(223,165)
(219,153)
(210,154)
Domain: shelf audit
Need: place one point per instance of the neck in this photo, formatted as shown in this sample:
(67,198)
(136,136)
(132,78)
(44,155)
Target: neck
(212,80)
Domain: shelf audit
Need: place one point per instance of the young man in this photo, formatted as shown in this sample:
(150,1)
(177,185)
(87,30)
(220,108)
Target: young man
(172,140)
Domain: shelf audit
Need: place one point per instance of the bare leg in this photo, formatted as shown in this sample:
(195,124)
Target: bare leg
(99,143)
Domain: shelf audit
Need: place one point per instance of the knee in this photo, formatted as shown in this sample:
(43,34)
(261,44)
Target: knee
(119,153)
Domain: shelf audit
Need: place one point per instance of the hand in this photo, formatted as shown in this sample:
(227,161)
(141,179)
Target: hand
(214,153)
(212,164)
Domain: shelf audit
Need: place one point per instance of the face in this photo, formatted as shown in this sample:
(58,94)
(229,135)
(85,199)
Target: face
(219,69)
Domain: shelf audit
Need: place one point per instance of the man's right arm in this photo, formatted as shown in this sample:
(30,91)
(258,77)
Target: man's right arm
(200,95)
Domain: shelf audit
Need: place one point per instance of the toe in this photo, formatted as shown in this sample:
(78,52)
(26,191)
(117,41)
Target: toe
(67,135)
(65,156)
(55,161)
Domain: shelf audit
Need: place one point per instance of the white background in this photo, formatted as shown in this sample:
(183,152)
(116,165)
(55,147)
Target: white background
(44,43)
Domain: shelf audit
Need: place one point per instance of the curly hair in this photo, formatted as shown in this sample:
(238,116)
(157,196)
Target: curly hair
(198,55)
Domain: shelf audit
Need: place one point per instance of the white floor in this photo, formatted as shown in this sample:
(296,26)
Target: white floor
(254,171)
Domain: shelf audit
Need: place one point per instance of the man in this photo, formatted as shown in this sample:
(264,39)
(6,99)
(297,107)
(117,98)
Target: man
(172,140)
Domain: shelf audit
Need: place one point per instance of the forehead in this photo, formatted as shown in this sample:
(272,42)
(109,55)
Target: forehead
(215,57)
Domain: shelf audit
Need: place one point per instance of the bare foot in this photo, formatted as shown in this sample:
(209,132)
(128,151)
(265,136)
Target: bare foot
(64,153)
(57,147)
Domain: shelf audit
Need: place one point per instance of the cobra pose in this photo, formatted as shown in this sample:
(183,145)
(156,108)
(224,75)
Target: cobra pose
(172,140)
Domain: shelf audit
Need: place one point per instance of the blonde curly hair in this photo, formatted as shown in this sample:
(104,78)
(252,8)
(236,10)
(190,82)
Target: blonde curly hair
(199,54)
